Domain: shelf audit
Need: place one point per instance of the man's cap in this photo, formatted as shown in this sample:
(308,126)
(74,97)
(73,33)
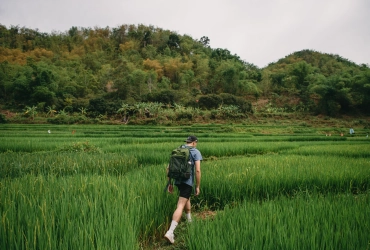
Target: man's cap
(191,138)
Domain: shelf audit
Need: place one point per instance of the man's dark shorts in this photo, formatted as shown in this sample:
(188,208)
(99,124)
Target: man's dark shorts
(185,190)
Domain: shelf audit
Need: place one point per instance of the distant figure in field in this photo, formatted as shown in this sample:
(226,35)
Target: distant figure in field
(351,131)
(341,134)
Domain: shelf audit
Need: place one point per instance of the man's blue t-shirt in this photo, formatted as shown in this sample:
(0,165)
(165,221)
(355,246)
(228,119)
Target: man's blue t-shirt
(195,155)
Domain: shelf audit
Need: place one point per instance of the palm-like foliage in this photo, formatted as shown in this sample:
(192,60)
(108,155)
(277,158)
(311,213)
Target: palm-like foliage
(123,110)
(155,108)
(63,112)
(83,110)
(141,108)
(50,110)
(32,111)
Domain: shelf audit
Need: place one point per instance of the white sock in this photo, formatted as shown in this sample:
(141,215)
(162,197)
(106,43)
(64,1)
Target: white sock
(173,226)
(188,216)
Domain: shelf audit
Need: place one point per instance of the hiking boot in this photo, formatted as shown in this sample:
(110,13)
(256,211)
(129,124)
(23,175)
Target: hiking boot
(170,237)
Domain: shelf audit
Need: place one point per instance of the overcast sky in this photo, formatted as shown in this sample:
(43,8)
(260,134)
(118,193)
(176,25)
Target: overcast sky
(259,31)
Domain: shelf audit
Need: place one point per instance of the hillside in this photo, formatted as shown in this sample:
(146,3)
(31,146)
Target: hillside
(108,72)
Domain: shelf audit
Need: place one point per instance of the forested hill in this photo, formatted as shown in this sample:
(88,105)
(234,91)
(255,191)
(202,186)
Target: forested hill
(101,69)
(323,83)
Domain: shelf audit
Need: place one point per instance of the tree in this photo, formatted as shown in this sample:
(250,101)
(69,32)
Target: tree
(186,78)
(205,41)
(153,65)
(147,38)
(164,96)
(21,89)
(173,41)
(186,45)
(173,67)
(43,94)
(138,81)
(119,35)
(151,79)
(333,96)
(7,74)
(226,77)
(361,90)
(248,87)
(98,105)
(300,72)
(221,54)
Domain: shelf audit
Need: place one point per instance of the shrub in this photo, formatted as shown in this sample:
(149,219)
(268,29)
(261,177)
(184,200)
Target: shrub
(98,105)
(210,101)
(228,99)
(165,96)
(185,115)
(3,118)
(244,105)
(214,114)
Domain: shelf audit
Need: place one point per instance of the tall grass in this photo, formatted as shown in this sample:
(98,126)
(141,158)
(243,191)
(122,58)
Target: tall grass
(305,222)
(258,178)
(82,211)
(14,165)
(360,150)
(68,213)
(101,187)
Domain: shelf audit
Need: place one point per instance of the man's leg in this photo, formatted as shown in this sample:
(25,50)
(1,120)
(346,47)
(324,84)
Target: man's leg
(188,210)
(181,204)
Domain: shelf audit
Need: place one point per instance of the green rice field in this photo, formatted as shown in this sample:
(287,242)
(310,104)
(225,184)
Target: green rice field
(263,187)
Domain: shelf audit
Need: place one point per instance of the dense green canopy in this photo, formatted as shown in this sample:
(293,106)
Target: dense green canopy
(88,67)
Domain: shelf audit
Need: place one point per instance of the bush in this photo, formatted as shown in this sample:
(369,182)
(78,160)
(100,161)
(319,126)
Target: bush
(98,105)
(68,109)
(211,101)
(185,115)
(3,118)
(214,114)
(228,99)
(165,97)
(244,105)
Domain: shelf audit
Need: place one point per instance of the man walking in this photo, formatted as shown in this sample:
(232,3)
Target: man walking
(185,188)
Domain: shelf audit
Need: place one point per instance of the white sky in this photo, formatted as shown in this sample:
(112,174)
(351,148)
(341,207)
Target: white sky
(259,31)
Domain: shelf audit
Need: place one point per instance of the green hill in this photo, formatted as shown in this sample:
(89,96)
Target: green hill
(100,70)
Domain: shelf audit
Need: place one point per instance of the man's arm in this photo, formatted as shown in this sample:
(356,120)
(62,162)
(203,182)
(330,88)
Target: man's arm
(169,185)
(197,177)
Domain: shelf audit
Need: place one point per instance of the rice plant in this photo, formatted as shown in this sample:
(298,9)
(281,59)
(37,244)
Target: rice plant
(101,187)
(304,222)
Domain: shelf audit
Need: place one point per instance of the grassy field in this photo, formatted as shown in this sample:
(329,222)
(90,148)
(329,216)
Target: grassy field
(263,187)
